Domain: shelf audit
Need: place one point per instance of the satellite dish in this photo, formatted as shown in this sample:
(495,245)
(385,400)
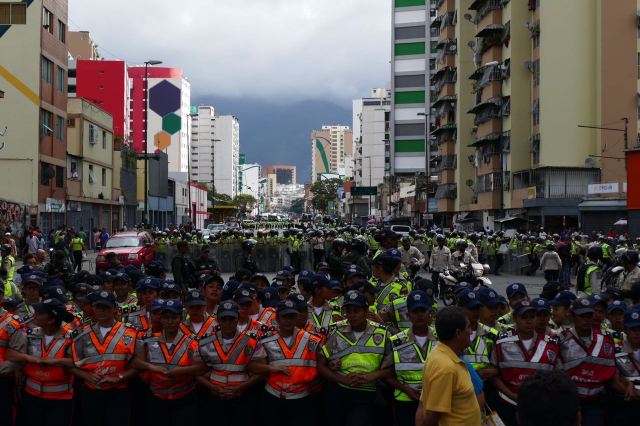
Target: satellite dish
(469,183)
(471,44)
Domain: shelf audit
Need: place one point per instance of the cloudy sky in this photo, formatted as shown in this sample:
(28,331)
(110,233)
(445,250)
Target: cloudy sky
(280,50)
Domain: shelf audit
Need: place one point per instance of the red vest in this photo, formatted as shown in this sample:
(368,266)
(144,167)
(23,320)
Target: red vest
(516,363)
(591,367)
(107,357)
(47,381)
(208,327)
(180,355)
(227,368)
(8,325)
(266,316)
(300,359)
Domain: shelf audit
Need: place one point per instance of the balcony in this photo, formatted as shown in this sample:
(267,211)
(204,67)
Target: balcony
(485,112)
(489,161)
(447,191)
(447,162)
(447,148)
(447,176)
(485,8)
(446,205)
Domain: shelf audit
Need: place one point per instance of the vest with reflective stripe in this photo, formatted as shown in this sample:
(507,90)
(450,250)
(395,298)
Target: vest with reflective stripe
(47,381)
(300,360)
(587,279)
(319,325)
(409,359)
(180,355)
(108,357)
(10,274)
(589,368)
(227,368)
(628,368)
(478,353)
(516,363)
(266,316)
(207,327)
(76,244)
(390,292)
(362,356)
(8,326)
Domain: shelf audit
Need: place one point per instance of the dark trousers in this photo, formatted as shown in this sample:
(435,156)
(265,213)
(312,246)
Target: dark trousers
(140,397)
(318,256)
(620,412)
(551,275)
(7,396)
(349,407)
(286,412)
(592,412)
(239,411)
(45,412)
(499,263)
(176,412)
(77,260)
(105,408)
(296,260)
(406,412)
(506,411)
(435,279)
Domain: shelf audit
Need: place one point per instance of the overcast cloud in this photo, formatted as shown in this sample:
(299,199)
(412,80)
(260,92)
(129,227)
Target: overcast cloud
(274,49)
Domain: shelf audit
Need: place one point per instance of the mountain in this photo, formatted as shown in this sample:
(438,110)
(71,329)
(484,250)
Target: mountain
(278,133)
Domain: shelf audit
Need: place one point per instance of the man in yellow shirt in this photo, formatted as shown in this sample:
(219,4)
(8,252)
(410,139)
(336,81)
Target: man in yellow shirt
(448,397)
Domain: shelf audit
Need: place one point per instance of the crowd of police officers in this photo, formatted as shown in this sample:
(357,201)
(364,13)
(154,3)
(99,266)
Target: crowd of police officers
(342,343)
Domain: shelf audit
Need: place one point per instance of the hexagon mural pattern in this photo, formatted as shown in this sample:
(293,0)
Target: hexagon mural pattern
(162,140)
(171,123)
(164,98)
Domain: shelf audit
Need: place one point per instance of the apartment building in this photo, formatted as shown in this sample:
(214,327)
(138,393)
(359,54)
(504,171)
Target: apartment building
(331,150)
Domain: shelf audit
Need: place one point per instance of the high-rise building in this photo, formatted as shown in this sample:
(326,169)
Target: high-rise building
(202,145)
(507,110)
(33,113)
(169,105)
(82,46)
(226,154)
(249,176)
(372,161)
(331,149)
(286,175)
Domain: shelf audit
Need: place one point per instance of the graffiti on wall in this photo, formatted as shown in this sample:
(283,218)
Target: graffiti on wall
(12,217)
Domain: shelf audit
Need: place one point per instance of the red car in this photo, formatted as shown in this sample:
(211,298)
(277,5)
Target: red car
(131,248)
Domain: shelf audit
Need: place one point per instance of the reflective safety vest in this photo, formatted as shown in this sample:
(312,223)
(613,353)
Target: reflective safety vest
(478,353)
(300,360)
(104,357)
(364,355)
(266,316)
(161,245)
(320,324)
(590,368)
(606,251)
(390,292)
(10,273)
(77,244)
(628,365)
(208,327)
(587,279)
(400,313)
(506,320)
(48,381)
(227,368)
(180,355)
(137,319)
(409,360)
(9,324)
(516,363)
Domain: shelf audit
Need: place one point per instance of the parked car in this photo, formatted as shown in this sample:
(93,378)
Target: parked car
(216,227)
(131,248)
(401,229)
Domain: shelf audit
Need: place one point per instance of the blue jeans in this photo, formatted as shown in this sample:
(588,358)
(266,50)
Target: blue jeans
(565,273)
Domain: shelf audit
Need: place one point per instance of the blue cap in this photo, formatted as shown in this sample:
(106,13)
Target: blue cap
(289,268)
(228,308)
(355,298)
(299,300)
(334,285)
(194,298)
(425,285)
(305,276)
(468,299)
(564,298)
(353,270)
(632,317)
(242,295)
(54,307)
(616,293)
(157,305)
(130,268)
(596,298)
(616,305)
(503,300)
(10,301)
(389,234)
(418,299)
(32,278)
(322,265)
(104,298)
(287,307)
(54,282)
(461,286)
(581,306)
(120,276)
(516,288)
(172,305)
(57,292)
(488,297)
(320,280)
(392,253)
(170,285)
(365,286)
(541,304)
(147,282)
(269,297)
(522,307)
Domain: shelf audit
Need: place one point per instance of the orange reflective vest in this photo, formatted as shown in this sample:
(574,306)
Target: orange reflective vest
(266,316)
(9,324)
(300,359)
(228,368)
(105,357)
(208,327)
(180,355)
(47,381)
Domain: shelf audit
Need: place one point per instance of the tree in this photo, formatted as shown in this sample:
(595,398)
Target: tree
(297,206)
(324,191)
(245,203)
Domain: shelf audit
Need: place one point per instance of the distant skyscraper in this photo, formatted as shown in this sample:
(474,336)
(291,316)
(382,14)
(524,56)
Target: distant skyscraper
(285,175)
(226,154)
(331,149)
(202,143)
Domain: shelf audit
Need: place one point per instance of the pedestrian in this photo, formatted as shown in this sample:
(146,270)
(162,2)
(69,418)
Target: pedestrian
(448,396)
(183,267)
(78,248)
(550,264)
(438,263)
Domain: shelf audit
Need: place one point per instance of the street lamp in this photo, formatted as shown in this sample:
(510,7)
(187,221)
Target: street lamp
(146,138)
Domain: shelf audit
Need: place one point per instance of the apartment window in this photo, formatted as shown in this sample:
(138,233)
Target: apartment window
(47,70)
(46,122)
(62,31)
(60,79)
(92,175)
(104,177)
(93,134)
(59,128)
(536,73)
(535,112)
(59,177)
(104,140)
(13,14)
(74,169)
(47,20)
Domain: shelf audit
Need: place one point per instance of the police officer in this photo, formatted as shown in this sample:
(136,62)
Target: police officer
(515,293)
(123,291)
(198,322)
(587,272)
(321,313)
(356,354)
(482,337)
(9,269)
(101,355)
(9,338)
(205,264)
(246,259)
(561,317)
(77,249)
(439,262)
(138,317)
(411,348)
(31,290)
(183,268)
(386,269)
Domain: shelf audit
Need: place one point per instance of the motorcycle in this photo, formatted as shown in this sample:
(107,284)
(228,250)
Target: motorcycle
(472,273)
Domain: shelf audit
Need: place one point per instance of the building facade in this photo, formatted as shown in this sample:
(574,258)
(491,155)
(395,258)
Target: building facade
(226,154)
(203,141)
(286,175)
(331,150)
